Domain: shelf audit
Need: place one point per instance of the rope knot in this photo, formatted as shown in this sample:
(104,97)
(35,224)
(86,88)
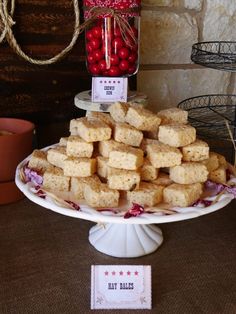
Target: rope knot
(10,21)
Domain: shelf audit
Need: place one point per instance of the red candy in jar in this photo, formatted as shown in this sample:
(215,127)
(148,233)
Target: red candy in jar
(112,37)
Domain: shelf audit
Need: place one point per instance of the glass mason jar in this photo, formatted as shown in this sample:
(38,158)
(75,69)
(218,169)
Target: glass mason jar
(112,37)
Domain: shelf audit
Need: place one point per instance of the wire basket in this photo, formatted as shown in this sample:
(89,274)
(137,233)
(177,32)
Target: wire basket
(214,116)
(219,55)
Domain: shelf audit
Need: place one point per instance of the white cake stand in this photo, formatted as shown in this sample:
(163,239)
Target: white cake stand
(83,101)
(113,234)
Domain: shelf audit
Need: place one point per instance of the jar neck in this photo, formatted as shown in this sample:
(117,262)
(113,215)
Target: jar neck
(101,12)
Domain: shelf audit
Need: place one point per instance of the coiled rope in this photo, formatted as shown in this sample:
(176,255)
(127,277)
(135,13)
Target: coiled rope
(6,23)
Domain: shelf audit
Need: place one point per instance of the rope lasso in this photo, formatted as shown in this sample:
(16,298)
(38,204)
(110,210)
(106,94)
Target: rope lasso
(6,19)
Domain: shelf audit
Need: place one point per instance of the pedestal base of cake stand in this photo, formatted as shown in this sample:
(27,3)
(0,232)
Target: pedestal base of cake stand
(125,240)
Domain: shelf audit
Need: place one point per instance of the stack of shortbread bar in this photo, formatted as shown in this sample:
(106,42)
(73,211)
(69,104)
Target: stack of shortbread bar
(132,154)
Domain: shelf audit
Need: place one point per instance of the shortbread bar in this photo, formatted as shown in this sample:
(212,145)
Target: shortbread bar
(146,141)
(102,116)
(173,115)
(177,135)
(162,155)
(197,151)
(92,130)
(218,175)
(79,167)
(142,119)
(102,166)
(123,179)
(118,111)
(38,160)
(100,195)
(147,194)
(129,158)
(148,171)
(73,127)
(127,134)
(55,180)
(78,185)
(63,141)
(105,147)
(212,163)
(162,179)
(78,147)
(56,156)
(182,195)
(221,159)
(188,173)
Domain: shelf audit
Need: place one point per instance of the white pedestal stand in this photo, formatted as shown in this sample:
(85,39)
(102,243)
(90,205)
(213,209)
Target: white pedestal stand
(114,235)
(83,101)
(125,240)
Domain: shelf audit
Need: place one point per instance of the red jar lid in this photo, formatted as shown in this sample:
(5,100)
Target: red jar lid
(113,4)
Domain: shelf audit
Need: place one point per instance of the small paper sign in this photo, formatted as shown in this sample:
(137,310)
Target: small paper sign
(121,287)
(109,89)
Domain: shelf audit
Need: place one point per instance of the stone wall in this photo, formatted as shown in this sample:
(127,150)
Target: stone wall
(169,28)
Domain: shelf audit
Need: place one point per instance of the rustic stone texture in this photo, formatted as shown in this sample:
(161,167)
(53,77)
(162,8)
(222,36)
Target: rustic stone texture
(219,21)
(188,4)
(166,88)
(160,3)
(234,85)
(166,37)
(193,4)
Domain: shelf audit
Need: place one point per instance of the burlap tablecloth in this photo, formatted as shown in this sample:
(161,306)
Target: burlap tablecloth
(45,263)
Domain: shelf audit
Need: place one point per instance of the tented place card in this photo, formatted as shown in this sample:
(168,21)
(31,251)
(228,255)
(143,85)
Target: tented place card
(121,287)
(109,89)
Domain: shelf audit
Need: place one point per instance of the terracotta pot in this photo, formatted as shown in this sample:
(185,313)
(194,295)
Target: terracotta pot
(15,145)
(9,193)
